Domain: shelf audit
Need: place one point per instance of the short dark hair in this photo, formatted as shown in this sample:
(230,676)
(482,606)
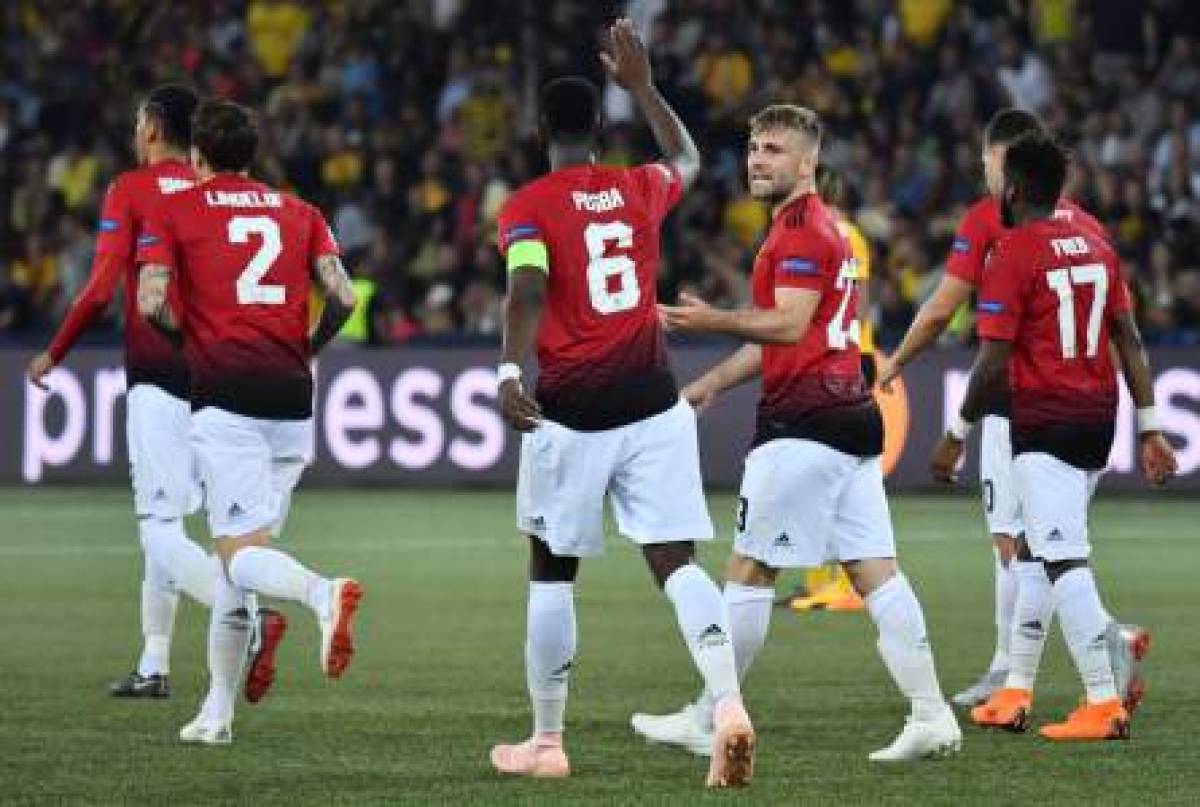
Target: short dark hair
(1009,124)
(1037,167)
(570,109)
(226,135)
(173,105)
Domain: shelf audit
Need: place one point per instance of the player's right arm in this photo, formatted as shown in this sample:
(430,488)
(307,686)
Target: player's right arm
(735,370)
(113,246)
(626,61)
(156,262)
(528,264)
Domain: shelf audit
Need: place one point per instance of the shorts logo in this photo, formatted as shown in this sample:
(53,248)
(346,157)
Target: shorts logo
(990,307)
(712,636)
(1055,535)
(537,522)
(798,266)
(783,540)
(159,495)
(236,510)
(108,225)
(961,245)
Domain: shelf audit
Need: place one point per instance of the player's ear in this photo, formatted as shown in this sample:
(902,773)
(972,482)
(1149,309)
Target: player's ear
(195,158)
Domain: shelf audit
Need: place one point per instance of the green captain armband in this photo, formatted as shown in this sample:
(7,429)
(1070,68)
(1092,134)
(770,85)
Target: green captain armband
(528,253)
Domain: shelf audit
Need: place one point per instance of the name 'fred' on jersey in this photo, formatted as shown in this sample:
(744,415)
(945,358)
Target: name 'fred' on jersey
(242,255)
(595,230)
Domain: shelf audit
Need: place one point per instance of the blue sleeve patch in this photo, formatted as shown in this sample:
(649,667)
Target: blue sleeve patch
(961,245)
(108,225)
(799,266)
(990,307)
(147,240)
(519,231)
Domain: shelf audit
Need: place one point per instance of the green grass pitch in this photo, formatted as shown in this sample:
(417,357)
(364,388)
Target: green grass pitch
(439,674)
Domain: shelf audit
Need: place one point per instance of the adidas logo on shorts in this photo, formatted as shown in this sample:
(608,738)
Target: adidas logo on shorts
(235,510)
(1055,535)
(783,540)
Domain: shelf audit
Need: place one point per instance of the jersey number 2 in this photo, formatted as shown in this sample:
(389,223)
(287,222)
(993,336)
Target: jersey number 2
(840,332)
(250,288)
(609,296)
(1063,282)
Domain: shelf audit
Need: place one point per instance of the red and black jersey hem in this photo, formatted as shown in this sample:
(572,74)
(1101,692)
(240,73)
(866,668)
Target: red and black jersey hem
(172,381)
(855,429)
(278,398)
(1085,446)
(599,409)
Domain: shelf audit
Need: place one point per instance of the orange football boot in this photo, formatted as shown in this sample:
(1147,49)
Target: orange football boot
(1005,709)
(1106,720)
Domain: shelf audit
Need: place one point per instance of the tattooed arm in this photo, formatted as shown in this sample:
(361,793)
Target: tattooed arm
(153,280)
(339,300)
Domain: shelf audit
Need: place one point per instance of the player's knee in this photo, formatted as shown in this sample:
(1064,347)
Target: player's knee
(1022,550)
(1057,568)
(546,567)
(666,559)
(748,571)
(228,546)
(868,574)
(1006,547)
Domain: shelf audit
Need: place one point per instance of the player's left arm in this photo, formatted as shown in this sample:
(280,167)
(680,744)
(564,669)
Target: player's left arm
(339,299)
(1157,456)
(153,281)
(785,324)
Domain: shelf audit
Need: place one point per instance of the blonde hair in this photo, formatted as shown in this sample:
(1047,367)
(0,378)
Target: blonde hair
(788,116)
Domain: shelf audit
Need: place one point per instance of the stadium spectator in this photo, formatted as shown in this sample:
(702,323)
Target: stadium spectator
(410,123)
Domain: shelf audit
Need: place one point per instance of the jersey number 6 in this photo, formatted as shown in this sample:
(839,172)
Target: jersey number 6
(250,288)
(609,296)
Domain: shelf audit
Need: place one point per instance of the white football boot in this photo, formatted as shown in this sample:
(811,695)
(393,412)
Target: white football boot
(923,739)
(207,731)
(688,728)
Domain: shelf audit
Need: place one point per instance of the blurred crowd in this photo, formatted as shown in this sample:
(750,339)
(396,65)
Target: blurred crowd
(409,122)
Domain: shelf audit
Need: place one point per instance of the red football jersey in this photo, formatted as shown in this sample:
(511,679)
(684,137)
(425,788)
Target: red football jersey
(1052,288)
(242,255)
(980,228)
(149,357)
(813,389)
(602,361)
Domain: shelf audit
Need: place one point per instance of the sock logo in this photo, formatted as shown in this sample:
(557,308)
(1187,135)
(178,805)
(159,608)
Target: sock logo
(1055,535)
(712,636)
(537,522)
(159,495)
(560,675)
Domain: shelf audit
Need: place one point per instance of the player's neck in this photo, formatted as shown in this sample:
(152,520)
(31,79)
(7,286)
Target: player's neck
(156,156)
(565,156)
(804,186)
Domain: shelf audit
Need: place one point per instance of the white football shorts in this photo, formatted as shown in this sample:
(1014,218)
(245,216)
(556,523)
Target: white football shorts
(165,478)
(1054,497)
(650,471)
(803,504)
(249,467)
(1001,510)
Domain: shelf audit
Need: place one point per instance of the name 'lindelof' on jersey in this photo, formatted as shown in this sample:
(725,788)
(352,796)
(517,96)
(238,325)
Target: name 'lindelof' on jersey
(595,230)
(242,255)
(814,389)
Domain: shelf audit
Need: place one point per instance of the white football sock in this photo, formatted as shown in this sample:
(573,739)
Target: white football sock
(704,622)
(158,620)
(1084,622)
(549,652)
(1032,615)
(904,645)
(1006,599)
(269,571)
(165,542)
(749,609)
(228,640)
